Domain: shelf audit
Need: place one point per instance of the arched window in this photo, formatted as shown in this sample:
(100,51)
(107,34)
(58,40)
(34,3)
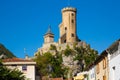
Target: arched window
(72,14)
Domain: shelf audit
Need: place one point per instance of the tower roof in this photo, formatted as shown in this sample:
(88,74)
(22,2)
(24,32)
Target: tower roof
(49,30)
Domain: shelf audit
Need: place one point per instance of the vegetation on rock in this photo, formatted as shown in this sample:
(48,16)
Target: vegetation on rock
(53,65)
(85,55)
(4,51)
(49,65)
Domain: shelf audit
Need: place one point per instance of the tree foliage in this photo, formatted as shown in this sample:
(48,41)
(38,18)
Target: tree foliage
(8,74)
(6,52)
(86,55)
(50,65)
(52,47)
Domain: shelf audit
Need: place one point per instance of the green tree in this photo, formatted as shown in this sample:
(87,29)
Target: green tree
(8,74)
(87,54)
(52,47)
(6,52)
(50,65)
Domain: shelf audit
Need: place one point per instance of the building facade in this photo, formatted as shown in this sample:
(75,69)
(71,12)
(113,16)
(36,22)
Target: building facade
(25,66)
(67,31)
(102,67)
(91,73)
(114,61)
(106,66)
(49,36)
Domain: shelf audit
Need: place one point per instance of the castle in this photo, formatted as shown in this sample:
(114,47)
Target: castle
(67,31)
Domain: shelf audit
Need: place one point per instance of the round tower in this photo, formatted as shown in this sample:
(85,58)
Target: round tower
(68,25)
(49,36)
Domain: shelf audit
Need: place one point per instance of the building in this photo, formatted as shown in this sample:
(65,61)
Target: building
(25,66)
(49,36)
(68,26)
(48,41)
(102,67)
(105,67)
(67,31)
(91,72)
(114,61)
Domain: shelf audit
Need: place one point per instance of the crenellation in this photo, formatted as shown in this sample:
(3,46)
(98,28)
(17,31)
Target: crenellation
(69,9)
(67,30)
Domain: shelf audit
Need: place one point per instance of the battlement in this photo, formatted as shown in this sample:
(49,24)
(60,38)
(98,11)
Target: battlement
(69,9)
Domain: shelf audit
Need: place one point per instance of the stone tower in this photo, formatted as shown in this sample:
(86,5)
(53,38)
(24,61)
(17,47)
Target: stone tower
(68,26)
(49,36)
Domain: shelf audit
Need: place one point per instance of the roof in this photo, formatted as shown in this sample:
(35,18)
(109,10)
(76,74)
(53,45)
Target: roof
(49,31)
(113,47)
(110,50)
(101,56)
(16,60)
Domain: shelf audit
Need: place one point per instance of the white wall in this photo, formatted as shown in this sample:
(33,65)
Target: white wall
(29,73)
(92,73)
(114,73)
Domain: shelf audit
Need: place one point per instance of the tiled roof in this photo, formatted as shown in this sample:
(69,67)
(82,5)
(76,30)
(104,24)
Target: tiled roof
(16,60)
(101,56)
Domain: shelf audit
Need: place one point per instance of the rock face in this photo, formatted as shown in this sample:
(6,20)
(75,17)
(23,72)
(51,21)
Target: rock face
(68,61)
(59,47)
(74,66)
(75,56)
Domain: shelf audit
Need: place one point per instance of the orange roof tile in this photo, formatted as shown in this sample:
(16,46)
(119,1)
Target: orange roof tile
(16,60)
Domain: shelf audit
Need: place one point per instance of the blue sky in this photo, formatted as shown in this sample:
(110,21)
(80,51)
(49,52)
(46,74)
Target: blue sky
(24,22)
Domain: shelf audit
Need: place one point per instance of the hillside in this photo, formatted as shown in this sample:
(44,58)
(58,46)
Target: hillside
(66,62)
(5,53)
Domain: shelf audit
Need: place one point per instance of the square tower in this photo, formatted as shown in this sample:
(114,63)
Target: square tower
(49,36)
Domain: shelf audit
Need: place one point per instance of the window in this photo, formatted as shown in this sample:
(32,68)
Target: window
(97,69)
(72,35)
(65,28)
(104,63)
(113,67)
(24,68)
(72,21)
(104,77)
(72,14)
(91,76)
(64,41)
